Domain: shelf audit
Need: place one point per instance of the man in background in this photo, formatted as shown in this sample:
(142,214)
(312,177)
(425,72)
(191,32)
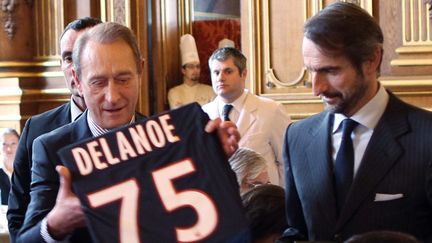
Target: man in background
(20,189)
(191,90)
(9,138)
(363,164)
(260,121)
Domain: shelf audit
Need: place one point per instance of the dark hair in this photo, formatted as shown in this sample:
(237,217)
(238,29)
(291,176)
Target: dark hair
(265,210)
(382,237)
(222,54)
(345,29)
(80,24)
(108,32)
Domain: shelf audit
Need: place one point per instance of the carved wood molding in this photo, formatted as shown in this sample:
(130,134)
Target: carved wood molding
(416,34)
(9,23)
(263,26)
(116,11)
(430,7)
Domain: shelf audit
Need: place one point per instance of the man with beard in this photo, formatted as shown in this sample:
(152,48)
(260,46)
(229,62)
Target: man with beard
(364,163)
(191,90)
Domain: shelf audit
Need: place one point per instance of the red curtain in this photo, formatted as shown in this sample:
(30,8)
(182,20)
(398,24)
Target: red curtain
(207,34)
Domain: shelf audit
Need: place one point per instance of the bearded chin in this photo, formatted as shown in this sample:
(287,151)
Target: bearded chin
(331,108)
(336,108)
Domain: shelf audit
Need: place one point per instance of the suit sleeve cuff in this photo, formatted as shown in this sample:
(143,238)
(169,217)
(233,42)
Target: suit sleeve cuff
(46,235)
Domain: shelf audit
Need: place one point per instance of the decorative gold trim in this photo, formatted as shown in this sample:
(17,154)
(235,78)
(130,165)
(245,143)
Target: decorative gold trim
(39,100)
(301,102)
(10,118)
(300,116)
(164,42)
(365,4)
(7,92)
(410,43)
(270,77)
(406,83)
(250,14)
(312,7)
(414,49)
(103,9)
(413,94)
(31,74)
(30,64)
(422,7)
(185,16)
(127,12)
(411,62)
(256,7)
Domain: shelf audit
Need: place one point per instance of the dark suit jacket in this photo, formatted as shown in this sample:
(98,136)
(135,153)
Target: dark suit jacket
(4,187)
(20,189)
(397,160)
(45,180)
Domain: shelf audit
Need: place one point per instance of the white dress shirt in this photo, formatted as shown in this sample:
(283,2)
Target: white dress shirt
(367,117)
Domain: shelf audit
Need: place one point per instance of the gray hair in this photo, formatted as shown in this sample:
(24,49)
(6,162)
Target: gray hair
(247,164)
(6,131)
(222,54)
(108,32)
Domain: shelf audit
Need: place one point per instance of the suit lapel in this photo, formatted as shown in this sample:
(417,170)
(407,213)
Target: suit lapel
(81,129)
(380,156)
(319,168)
(248,114)
(64,117)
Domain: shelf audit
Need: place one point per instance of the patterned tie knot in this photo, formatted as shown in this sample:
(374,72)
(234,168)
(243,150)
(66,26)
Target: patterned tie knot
(226,111)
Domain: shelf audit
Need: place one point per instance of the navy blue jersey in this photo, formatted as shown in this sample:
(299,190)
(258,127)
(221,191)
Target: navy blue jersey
(163,179)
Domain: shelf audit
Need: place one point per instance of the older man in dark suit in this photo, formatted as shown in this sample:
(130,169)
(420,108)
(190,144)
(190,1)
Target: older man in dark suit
(43,123)
(364,164)
(108,79)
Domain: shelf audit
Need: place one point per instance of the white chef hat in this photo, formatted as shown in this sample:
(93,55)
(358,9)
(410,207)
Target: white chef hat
(226,43)
(188,49)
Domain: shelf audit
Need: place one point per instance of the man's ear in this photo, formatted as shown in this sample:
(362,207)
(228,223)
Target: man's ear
(371,65)
(244,72)
(77,81)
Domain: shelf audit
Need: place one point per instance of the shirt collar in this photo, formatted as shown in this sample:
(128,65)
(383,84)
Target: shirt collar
(237,104)
(369,114)
(97,130)
(75,110)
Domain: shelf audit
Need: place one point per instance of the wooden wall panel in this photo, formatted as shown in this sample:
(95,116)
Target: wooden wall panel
(31,81)
(272,36)
(407,64)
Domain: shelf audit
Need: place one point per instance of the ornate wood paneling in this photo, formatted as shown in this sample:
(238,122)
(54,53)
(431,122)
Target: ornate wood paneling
(271,39)
(272,36)
(133,14)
